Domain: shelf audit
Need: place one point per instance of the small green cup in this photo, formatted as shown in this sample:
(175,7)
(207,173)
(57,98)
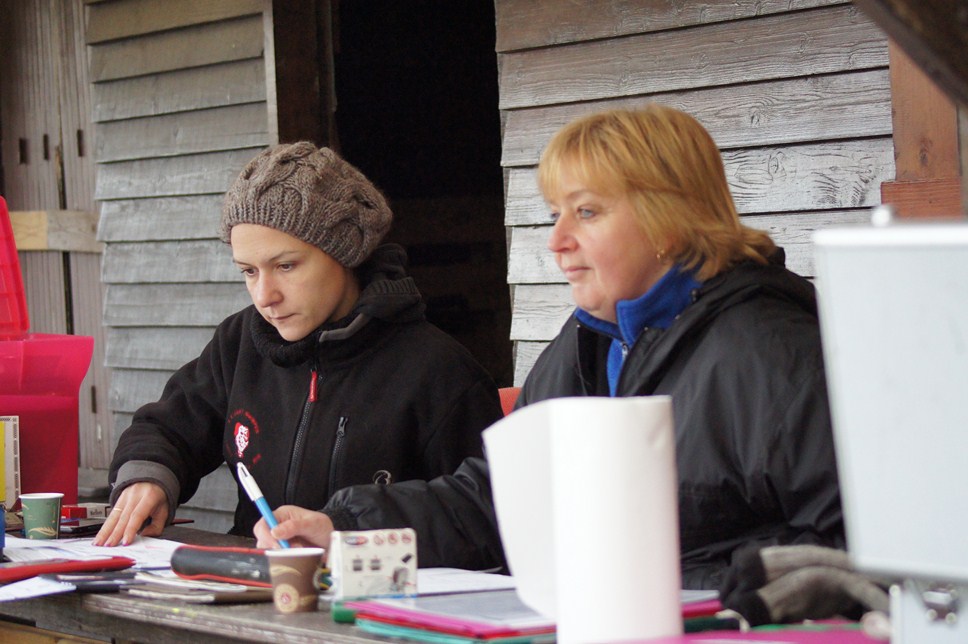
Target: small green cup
(42,513)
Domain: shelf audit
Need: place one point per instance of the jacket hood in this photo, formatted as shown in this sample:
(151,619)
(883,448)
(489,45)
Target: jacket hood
(740,282)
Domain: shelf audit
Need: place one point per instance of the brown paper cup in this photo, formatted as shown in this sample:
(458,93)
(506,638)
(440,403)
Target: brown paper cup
(295,573)
(42,513)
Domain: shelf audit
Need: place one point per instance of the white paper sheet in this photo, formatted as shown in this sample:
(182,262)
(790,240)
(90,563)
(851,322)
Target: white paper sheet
(148,552)
(586,497)
(440,581)
(33,587)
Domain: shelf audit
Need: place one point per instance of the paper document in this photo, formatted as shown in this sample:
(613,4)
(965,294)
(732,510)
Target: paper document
(438,581)
(148,552)
(586,496)
(33,587)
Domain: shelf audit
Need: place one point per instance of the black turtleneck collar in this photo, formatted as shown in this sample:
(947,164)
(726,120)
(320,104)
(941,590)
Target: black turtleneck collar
(388,294)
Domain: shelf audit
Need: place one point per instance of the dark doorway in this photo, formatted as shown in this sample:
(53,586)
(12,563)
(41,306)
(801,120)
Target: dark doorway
(416,99)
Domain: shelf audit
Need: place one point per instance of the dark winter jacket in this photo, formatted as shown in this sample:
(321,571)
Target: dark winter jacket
(381,395)
(755,454)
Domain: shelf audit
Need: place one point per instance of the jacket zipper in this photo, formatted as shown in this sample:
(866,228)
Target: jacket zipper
(295,460)
(335,459)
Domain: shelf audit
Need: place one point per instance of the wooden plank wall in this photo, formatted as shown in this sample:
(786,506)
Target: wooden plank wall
(45,108)
(796,94)
(180,105)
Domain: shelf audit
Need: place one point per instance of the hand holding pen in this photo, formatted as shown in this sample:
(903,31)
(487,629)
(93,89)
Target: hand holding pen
(252,489)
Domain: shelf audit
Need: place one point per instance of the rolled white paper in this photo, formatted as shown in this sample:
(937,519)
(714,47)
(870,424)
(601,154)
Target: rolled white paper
(586,496)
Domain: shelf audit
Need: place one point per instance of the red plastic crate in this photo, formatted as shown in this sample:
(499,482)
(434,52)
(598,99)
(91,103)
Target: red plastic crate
(14,320)
(40,374)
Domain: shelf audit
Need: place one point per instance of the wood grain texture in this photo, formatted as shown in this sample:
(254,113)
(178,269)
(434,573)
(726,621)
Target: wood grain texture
(927,198)
(76,133)
(210,173)
(160,219)
(45,286)
(816,176)
(170,50)
(173,304)
(66,230)
(169,262)
(524,24)
(116,20)
(925,123)
(181,90)
(820,41)
(525,355)
(31,56)
(87,300)
(132,388)
(933,33)
(154,348)
(221,128)
(814,108)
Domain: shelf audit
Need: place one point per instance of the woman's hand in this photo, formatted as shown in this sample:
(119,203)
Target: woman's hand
(298,526)
(142,508)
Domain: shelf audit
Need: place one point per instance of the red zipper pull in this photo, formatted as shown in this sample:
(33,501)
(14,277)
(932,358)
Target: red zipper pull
(312,387)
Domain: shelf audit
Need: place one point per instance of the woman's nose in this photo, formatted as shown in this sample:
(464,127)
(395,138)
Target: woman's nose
(264,292)
(560,238)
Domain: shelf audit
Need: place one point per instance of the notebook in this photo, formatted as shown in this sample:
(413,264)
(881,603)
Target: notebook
(894,321)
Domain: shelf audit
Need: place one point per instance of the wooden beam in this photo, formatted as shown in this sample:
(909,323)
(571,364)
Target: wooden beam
(924,199)
(295,50)
(64,230)
(933,33)
(927,167)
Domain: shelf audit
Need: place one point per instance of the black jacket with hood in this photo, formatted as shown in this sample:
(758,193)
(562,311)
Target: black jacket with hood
(381,395)
(755,454)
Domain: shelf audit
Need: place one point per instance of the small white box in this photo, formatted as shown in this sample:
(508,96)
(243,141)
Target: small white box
(373,563)
(9,460)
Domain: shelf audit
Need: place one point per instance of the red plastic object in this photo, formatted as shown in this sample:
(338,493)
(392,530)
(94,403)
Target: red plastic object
(14,321)
(40,375)
(39,381)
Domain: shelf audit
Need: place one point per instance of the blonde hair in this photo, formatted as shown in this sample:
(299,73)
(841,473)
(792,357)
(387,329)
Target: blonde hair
(670,169)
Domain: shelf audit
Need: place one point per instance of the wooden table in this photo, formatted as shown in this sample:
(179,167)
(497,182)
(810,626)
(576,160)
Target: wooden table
(121,618)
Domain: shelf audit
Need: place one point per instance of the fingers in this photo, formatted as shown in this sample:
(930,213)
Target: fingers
(298,526)
(142,507)
(263,539)
(105,534)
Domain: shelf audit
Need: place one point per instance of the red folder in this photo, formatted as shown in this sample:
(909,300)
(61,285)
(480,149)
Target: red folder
(17,570)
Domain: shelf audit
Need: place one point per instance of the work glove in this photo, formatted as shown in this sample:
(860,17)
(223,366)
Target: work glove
(784,584)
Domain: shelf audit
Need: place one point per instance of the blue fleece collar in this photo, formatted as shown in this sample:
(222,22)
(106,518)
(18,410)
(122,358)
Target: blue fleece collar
(657,308)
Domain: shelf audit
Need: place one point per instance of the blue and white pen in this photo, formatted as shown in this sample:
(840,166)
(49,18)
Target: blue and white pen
(252,489)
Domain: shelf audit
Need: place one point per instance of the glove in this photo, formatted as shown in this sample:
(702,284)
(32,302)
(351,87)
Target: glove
(783,584)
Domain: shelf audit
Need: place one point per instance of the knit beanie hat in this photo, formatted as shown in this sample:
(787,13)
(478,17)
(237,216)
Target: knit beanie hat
(313,195)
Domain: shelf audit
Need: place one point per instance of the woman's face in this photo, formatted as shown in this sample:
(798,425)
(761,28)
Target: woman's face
(601,248)
(294,285)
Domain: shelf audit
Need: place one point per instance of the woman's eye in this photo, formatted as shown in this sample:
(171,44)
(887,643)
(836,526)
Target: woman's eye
(585,213)
(248,272)
(554,216)
(286,267)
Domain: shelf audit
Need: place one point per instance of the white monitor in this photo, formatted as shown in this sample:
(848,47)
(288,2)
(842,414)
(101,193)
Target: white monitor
(894,320)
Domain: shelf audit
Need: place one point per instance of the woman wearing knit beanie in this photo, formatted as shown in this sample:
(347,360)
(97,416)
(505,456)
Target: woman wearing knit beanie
(333,377)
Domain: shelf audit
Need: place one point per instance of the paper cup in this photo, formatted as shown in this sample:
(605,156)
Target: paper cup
(295,578)
(42,513)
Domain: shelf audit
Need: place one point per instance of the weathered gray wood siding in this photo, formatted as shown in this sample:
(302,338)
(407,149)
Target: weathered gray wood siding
(180,104)
(796,94)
